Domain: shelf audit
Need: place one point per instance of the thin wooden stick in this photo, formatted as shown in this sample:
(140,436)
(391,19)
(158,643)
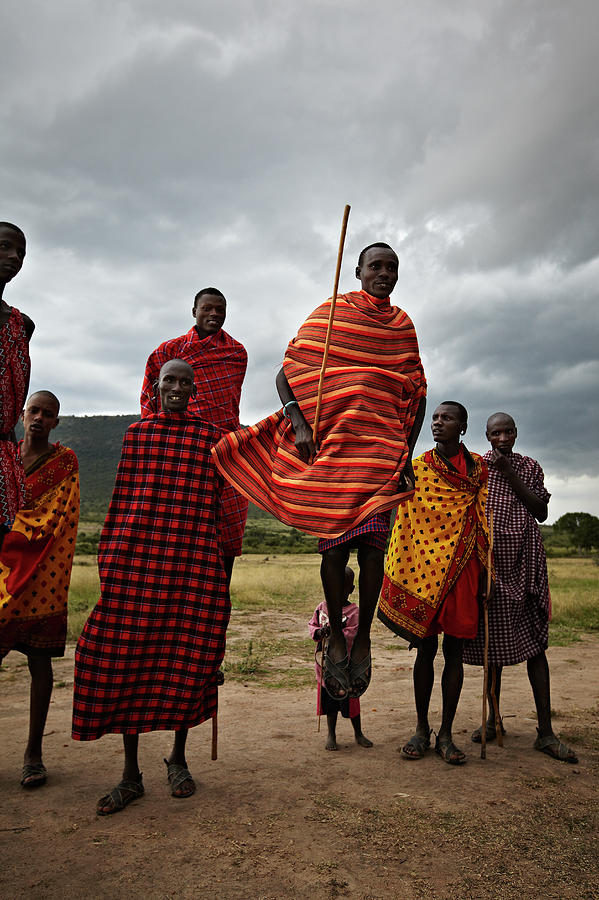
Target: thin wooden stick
(214,753)
(498,724)
(322,652)
(325,355)
(483,731)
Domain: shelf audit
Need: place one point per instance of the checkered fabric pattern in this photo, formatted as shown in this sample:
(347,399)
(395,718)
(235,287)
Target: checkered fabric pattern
(149,654)
(14,382)
(219,363)
(520,609)
(373,531)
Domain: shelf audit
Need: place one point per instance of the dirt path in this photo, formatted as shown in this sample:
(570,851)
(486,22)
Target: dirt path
(277,816)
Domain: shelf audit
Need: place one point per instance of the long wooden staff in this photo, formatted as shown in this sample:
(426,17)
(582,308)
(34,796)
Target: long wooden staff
(483,730)
(214,748)
(325,355)
(325,643)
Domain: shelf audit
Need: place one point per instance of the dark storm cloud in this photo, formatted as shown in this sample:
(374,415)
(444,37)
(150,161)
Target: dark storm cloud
(151,149)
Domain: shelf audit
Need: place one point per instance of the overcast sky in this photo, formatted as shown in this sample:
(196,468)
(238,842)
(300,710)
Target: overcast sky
(150,149)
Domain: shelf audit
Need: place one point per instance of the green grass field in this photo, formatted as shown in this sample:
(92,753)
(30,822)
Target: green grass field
(273,597)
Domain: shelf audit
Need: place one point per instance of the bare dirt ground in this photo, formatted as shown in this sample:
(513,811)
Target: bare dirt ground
(277,816)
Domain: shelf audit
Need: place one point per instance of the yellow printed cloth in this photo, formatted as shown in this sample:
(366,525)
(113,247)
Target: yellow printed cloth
(37,556)
(434,537)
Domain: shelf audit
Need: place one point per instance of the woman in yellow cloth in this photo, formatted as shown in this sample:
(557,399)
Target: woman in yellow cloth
(435,570)
(36,558)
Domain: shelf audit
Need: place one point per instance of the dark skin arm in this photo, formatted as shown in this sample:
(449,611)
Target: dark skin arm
(408,471)
(535,506)
(303,432)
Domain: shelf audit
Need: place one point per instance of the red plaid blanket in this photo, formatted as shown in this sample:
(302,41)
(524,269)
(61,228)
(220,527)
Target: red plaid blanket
(151,649)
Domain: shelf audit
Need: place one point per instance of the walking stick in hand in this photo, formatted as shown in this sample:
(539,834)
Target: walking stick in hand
(325,355)
(483,730)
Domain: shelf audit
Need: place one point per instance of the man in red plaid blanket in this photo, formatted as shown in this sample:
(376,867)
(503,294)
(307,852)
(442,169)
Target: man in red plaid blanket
(520,608)
(149,655)
(219,363)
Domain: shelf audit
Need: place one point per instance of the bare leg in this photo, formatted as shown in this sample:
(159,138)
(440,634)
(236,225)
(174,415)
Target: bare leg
(547,742)
(331,743)
(332,573)
(451,688)
(361,739)
(424,678)
(187,787)
(538,675)
(451,681)
(228,566)
(491,722)
(40,669)
(371,561)
(131,768)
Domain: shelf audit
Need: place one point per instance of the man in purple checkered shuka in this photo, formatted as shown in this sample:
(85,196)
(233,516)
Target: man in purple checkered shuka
(520,607)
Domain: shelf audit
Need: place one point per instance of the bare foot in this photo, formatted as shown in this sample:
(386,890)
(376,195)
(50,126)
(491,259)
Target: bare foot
(363,741)
(331,743)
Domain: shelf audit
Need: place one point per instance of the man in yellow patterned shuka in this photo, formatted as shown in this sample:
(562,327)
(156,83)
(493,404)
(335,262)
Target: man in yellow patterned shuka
(434,571)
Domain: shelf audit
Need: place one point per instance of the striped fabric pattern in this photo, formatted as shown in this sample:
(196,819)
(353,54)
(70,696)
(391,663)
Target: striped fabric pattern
(219,363)
(373,385)
(149,654)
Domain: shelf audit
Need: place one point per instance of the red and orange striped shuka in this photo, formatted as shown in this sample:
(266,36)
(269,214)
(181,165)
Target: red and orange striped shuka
(373,385)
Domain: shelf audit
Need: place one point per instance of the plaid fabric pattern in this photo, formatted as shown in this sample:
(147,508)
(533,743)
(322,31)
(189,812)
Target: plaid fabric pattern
(219,363)
(373,531)
(519,612)
(149,654)
(14,381)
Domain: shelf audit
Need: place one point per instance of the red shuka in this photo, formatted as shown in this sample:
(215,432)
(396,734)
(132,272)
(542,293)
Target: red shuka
(149,654)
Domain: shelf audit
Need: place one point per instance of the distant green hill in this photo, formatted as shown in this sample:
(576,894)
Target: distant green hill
(97,441)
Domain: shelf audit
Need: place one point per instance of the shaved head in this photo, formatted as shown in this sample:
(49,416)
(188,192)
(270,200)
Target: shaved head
(48,395)
(176,365)
(496,417)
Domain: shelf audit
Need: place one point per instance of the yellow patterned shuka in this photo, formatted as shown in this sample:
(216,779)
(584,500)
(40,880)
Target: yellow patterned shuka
(434,536)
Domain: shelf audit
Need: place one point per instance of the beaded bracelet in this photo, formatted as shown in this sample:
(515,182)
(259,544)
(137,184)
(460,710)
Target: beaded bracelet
(291,403)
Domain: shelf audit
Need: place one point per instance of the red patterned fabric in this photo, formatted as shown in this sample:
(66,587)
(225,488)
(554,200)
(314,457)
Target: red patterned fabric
(37,556)
(14,381)
(149,654)
(219,363)
(372,389)
(520,610)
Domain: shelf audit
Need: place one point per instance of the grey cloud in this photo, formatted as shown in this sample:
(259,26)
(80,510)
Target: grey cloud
(150,150)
